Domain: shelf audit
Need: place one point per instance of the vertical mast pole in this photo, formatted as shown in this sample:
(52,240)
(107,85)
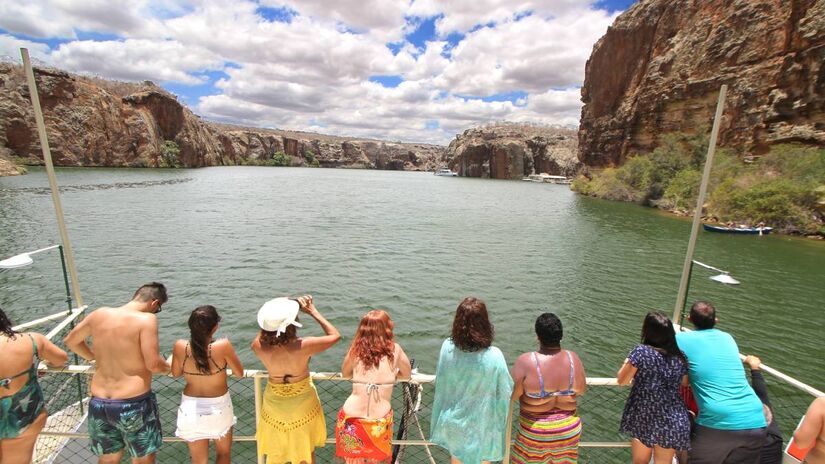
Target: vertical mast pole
(700,202)
(47,158)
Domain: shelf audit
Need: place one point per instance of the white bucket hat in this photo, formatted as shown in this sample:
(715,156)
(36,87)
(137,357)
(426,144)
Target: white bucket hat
(278,314)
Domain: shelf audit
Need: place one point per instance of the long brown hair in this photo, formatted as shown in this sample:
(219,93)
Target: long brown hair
(202,322)
(374,339)
(472,330)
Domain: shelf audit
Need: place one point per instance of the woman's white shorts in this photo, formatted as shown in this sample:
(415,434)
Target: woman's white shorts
(205,418)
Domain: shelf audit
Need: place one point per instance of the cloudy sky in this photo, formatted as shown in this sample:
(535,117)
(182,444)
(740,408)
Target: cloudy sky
(411,70)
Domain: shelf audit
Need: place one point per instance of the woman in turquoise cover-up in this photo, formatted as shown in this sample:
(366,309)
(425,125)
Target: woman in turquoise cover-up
(472,390)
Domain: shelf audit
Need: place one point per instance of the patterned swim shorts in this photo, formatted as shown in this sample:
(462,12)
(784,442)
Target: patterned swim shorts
(132,423)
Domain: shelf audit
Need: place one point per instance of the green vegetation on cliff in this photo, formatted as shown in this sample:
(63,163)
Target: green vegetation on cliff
(784,189)
(169,153)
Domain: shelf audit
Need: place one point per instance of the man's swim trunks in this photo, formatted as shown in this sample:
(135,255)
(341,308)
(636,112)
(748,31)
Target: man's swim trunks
(132,423)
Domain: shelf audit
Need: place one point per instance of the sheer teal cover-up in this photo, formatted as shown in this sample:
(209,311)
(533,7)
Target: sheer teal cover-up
(472,394)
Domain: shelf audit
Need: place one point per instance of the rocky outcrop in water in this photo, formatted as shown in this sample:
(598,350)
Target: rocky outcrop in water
(95,122)
(659,67)
(512,151)
(9,168)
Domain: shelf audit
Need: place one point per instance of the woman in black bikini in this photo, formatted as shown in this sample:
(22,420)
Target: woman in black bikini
(21,399)
(205,411)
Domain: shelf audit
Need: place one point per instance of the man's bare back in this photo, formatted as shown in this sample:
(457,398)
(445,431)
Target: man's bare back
(124,347)
(123,411)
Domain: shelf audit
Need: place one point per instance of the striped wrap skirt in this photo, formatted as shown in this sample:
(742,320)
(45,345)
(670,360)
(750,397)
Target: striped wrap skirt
(550,437)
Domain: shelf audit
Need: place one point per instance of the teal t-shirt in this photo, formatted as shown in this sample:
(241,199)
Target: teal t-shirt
(725,398)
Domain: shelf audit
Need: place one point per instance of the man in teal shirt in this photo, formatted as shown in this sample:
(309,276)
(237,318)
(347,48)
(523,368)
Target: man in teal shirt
(731,424)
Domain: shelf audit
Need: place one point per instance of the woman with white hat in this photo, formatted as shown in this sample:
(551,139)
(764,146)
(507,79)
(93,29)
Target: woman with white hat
(292,421)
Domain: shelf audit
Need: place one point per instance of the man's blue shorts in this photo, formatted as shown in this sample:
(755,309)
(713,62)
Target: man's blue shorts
(132,423)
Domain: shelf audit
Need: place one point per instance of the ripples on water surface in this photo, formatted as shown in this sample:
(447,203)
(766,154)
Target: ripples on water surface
(412,243)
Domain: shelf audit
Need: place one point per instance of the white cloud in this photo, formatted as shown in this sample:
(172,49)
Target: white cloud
(137,59)
(311,72)
(383,19)
(532,54)
(462,15)
(10,47)
(63,18)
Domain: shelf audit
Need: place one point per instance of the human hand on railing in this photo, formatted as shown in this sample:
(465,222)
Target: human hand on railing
(754,362)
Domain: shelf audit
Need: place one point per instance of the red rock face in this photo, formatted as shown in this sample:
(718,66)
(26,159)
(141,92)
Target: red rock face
(94,122)
(659,67)
(512,151)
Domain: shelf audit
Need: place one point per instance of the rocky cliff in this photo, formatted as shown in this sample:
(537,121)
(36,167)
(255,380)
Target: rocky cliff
(659,67)
(95,122)
(512,151)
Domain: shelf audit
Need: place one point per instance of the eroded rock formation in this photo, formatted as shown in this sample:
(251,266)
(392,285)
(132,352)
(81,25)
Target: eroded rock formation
(659,67)
(95,122)
(512,151)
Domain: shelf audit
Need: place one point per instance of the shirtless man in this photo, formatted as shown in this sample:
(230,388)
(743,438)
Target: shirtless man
(547,385)
(811,432)
(123,410)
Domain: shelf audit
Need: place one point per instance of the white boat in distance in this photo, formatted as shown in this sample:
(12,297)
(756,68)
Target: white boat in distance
(446,172)
(547,178)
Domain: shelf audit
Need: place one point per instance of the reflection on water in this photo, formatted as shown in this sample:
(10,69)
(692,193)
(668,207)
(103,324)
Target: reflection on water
(412,243)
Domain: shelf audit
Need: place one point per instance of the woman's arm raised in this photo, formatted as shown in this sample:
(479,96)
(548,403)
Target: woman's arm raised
(315,345)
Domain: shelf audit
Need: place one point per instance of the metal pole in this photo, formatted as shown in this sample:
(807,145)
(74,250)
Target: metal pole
(687,291)
(697,215)
(47,158)
(258,400)
(69,303)
(65,278)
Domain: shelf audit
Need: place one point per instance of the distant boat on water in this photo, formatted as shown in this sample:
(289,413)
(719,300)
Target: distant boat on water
(738,230)
(446,172)
(547,178)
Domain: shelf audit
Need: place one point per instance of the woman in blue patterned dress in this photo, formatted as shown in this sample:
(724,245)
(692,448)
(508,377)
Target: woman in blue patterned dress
(655,415)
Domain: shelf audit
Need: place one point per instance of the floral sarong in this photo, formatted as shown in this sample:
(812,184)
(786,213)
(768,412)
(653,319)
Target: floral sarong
(363,438)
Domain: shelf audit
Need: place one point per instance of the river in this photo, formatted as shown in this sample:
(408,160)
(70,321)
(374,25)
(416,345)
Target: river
(411,243)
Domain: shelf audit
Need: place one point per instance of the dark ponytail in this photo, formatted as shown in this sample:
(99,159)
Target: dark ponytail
(202,322)
(6,325)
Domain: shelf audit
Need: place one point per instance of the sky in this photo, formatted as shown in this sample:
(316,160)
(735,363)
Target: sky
(409,70)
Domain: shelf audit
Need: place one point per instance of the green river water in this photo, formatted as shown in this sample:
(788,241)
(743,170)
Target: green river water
(411,243)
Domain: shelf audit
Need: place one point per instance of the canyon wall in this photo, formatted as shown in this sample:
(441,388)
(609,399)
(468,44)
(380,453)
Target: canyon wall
(96,122)
(659,67)
(513,151)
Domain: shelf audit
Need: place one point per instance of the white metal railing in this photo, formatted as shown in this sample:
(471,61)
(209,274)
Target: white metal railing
(417,378)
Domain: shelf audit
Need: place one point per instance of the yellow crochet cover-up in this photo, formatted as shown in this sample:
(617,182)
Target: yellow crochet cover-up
(292,422)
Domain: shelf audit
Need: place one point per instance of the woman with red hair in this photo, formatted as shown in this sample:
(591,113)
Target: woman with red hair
(374,362)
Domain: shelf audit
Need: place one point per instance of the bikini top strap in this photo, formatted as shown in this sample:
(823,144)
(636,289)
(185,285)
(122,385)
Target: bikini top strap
(35,354)
(185,353)
(226,364)
(538,372)
(572,371)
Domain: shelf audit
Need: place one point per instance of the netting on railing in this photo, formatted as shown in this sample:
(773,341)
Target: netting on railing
(600,408)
